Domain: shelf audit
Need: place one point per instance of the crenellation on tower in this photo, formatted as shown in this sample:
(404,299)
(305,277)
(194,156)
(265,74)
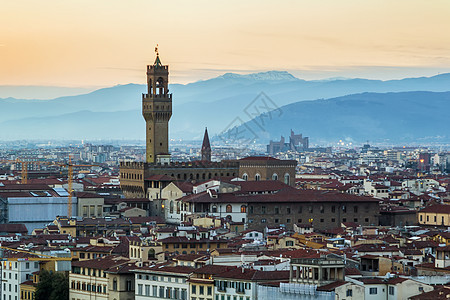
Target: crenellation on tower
(157,111)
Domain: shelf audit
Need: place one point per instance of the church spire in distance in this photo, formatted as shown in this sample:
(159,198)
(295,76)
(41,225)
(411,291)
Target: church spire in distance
(206,147)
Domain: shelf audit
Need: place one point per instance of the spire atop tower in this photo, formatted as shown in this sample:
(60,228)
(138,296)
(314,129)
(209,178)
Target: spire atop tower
(157,63)
(206,147)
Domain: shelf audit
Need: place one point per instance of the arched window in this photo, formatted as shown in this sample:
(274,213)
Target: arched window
(287,179)
(243,209)
(245,176)
(275,176)
(257,177)
(229,208)
(160,86)
(171,207)
(114,284)
(178,207)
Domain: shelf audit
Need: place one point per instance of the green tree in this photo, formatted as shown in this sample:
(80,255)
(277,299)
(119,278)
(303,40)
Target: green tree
(52,286)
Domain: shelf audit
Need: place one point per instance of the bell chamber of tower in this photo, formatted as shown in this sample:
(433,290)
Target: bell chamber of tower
(157,110)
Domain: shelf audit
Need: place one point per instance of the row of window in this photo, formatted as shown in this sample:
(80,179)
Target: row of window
(300,221)
(229,297)
(193,245)
(26,295)
(240,287)
(202,176)
(287,177)
(88,271)
(161,292)
(201,290)
(10,275)
(309,209)
(161,278)
(229,208)
(88,255)
(428,219)
(8,265)
(131,176)
(88,287)
(10,287)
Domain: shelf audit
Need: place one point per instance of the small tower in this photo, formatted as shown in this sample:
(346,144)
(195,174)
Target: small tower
(206,147)
(157,110)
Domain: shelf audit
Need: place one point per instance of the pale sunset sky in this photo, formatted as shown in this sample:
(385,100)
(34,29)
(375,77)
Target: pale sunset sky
(106,42)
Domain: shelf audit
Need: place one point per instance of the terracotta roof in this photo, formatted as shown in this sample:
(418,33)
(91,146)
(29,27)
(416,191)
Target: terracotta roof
(288,195)
(189,257)
(165,269)
(331,286)
(13,228)
(160,178)
(440,293)
(213,269)
(258,158)
(437,208)
(184,186)
(352,271)
(103,263)
(141,220)
(254,275)
(263,185)
(379,280)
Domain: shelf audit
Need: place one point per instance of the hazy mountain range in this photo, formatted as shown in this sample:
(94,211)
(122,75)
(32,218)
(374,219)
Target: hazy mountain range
(114,113)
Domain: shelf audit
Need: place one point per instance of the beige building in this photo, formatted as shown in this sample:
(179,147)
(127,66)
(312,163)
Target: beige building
(142,252)
(90,205)
(104,278)
(267,168)
(435,215)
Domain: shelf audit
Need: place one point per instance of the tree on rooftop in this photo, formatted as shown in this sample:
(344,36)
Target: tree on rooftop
(52,286)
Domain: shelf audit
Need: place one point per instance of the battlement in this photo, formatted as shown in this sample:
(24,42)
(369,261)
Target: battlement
(153,67)
(196,165)
(156,96)
(133,165)
(173,165)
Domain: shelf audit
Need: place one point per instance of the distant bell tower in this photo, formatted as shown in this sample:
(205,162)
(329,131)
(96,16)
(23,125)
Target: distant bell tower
(206,147)
(157,110)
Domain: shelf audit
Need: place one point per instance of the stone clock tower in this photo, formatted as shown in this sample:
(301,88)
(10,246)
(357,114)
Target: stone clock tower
(157,110)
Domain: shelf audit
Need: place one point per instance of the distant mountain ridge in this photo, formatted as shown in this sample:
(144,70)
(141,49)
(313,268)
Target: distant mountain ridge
(394,118)
(213,103)
(269,75)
